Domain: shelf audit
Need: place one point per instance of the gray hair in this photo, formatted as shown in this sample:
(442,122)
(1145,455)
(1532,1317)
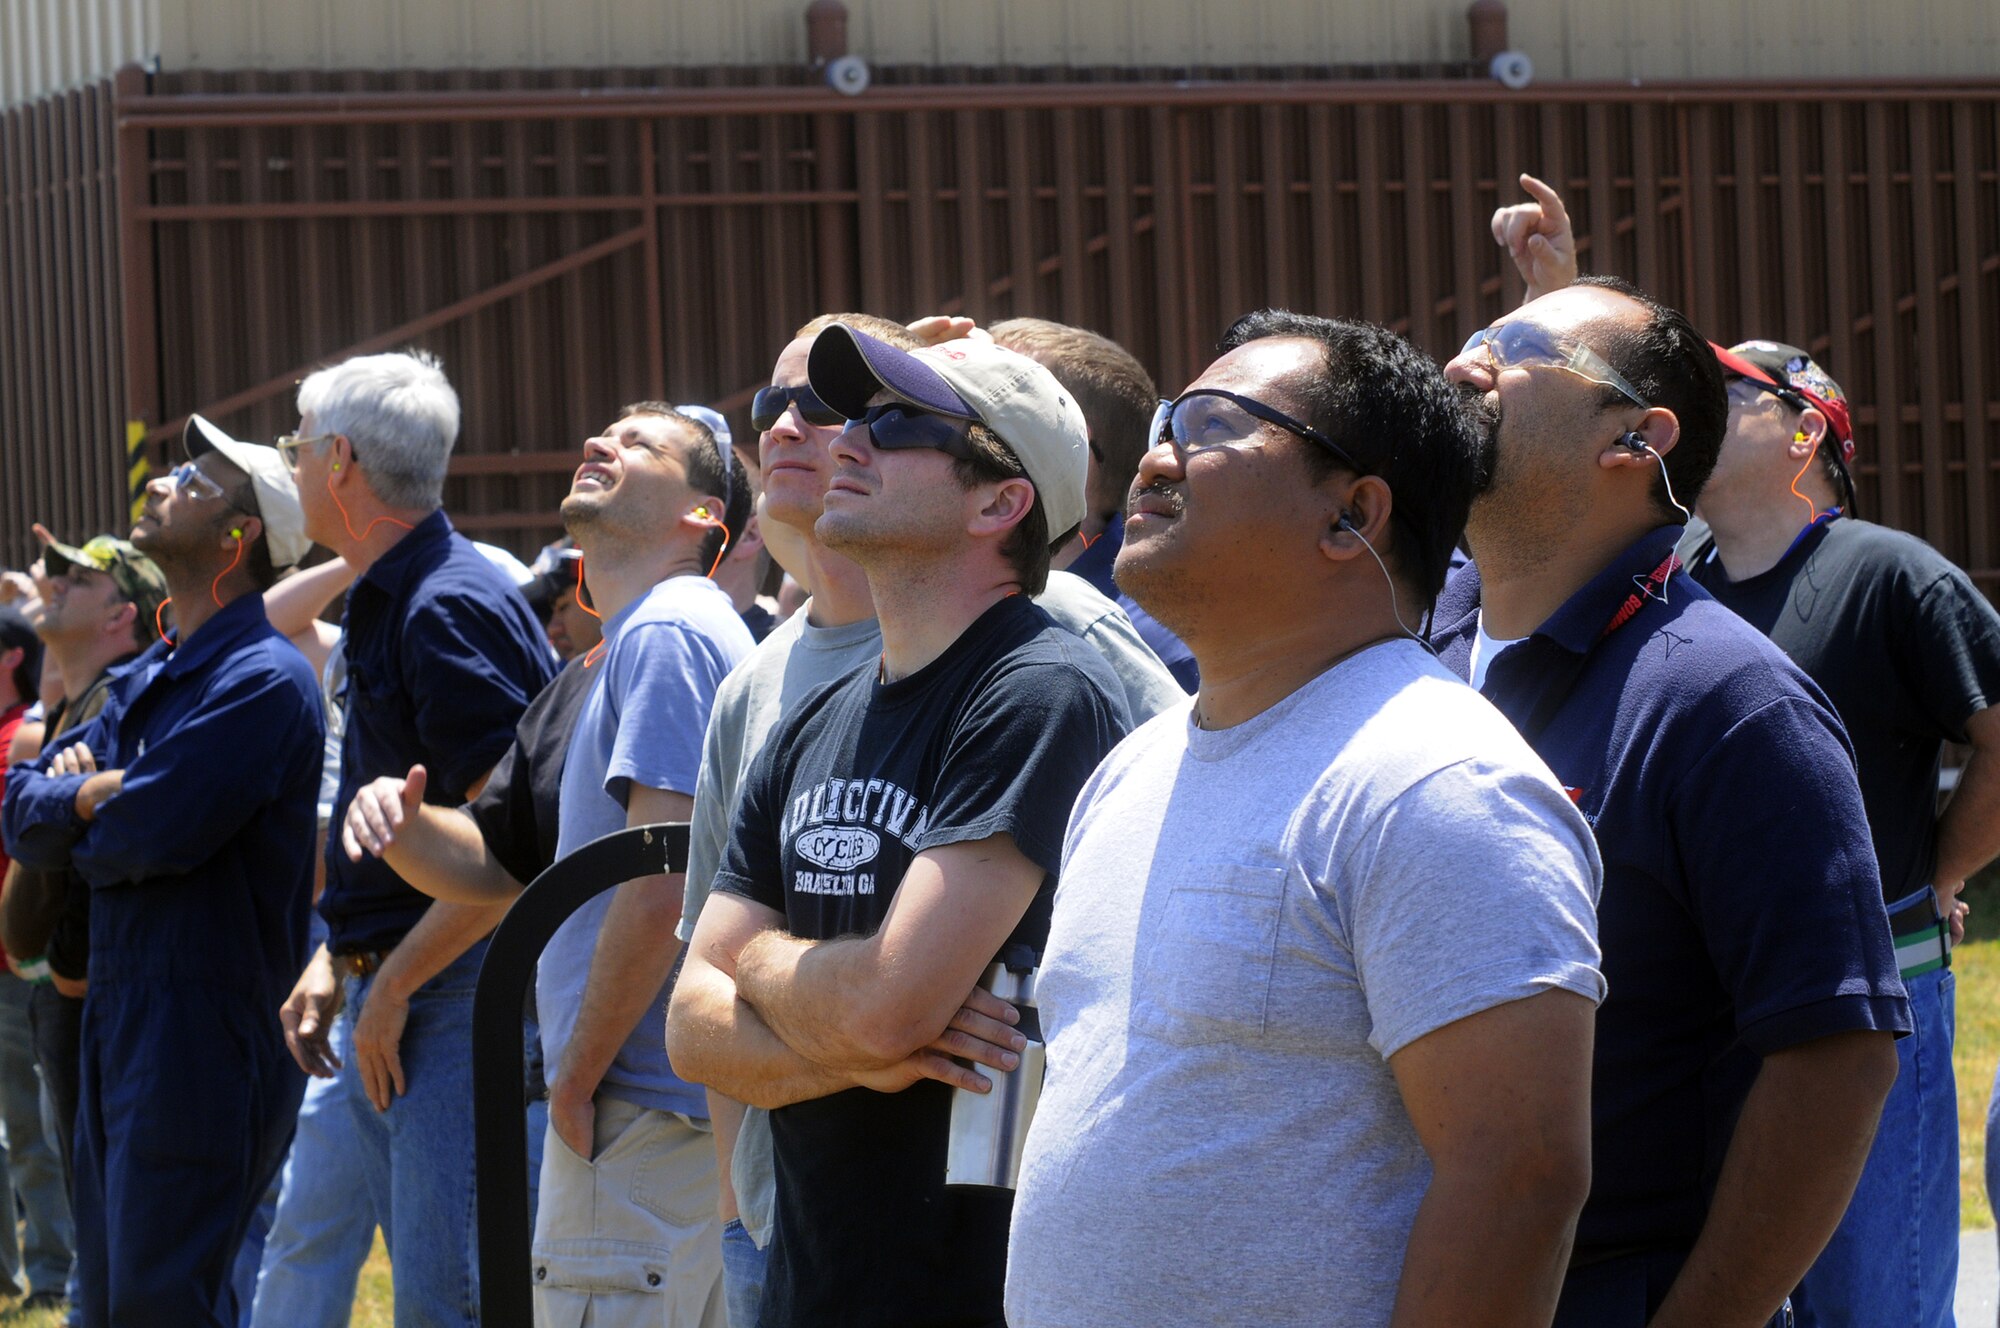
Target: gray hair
(401,415)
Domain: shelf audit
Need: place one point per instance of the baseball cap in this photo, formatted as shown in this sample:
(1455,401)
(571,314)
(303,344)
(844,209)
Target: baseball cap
(1798,378)
(270,479)
(1019,400)
(135,575)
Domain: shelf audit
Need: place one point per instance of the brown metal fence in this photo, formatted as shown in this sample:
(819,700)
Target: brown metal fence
(568,242)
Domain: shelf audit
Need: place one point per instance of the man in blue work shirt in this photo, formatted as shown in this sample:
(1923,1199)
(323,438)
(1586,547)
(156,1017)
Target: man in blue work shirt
(188,807)
(1745,1047)
(442,659)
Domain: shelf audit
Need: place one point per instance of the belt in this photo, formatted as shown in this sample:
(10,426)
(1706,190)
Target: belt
(1920,933)
(359,963)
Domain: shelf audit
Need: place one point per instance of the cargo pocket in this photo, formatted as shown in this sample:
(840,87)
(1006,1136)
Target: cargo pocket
(566,1278)
(1206,972)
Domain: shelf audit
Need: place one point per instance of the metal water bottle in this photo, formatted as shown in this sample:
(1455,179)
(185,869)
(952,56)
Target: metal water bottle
(989,1130)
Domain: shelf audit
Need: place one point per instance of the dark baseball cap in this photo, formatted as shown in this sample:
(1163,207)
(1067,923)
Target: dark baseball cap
(136,576)
(1798,380)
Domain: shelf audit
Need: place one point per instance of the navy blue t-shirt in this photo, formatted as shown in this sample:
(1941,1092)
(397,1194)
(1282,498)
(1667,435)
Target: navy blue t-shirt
(443,657)
(1742,912)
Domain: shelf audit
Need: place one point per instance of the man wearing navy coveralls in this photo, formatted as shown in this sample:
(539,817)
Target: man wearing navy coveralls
(1746,1043)
(188,806)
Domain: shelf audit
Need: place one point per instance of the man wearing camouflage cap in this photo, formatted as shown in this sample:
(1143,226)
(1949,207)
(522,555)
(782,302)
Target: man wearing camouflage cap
(1908,650)
(188,807)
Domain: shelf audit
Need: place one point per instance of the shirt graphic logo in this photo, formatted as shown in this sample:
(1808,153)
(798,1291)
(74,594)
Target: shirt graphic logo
(838,848)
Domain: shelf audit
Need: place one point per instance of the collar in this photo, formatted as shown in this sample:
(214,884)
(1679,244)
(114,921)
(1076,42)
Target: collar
(388,572)
(1578,624)
(232,623)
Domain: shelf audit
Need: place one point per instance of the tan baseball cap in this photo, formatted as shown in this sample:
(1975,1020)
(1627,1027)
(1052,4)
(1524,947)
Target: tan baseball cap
(1019,400)
(270,479)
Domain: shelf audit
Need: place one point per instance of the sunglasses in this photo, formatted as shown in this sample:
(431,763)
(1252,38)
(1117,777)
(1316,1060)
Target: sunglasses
(1208,417)
(771,403)
(896,427)
(1521,344)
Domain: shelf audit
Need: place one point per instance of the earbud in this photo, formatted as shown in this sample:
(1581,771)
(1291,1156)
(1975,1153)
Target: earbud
(236,534)
(1801,437)
(704,513)
(1346,522)
(336,465)
(1634,442)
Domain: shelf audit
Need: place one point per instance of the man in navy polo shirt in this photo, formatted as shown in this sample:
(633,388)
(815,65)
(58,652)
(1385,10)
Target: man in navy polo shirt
(1745,1047)
(442,658)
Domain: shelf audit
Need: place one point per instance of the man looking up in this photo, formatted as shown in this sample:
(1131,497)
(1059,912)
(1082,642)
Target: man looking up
(900,828)
(188,807)
(625,1227)
(442,658)
(1745,1047)
(1337,887)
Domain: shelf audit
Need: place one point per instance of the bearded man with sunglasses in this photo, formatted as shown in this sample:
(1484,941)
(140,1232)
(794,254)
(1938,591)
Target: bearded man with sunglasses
(899,830)
(1746,1046)
(188,805)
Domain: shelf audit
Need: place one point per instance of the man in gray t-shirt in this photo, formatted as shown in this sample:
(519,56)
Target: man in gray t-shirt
(1323,969)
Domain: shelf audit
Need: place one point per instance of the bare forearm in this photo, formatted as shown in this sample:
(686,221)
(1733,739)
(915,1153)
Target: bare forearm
(1488,1251)
(445,932)
(717,1040)
(1968,833)
(636,950)
(440,852)
(1792,1165)
(819,999)
(725,1120)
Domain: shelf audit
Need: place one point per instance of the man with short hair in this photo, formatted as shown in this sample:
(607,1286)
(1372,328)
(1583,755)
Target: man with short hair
(1333,911)
(442,658)
(1117,397)
(188,807)
(899,829)
(1746,1045)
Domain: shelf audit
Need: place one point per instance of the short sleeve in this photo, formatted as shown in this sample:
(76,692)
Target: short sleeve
(1953,653)
(469,678)
(1789,902)
(714,800)
(662,687)
(1019,756)
(1475,887)
(752,866)
(504,811)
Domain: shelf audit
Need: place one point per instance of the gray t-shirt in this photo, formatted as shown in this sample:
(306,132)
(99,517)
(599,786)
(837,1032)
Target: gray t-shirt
(1250,923)
(796,658)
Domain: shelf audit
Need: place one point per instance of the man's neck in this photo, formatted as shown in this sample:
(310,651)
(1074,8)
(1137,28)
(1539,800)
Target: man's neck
(381,530)
(195,595)
(80,665)
(925,606)
(1753,532)
(1243,674)
(1519,594)
(618,574)
(840,594)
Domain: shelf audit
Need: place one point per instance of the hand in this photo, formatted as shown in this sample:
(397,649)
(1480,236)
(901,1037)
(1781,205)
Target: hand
(1953,908)
(75,759)
(97,790)
(982,1031)
(940,328)
(307,1016)
(16,588)
(573,1116)
(378,1038)
(74,988)
(1537,236)
(378,810)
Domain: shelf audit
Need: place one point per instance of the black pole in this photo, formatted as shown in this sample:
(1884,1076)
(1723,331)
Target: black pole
(499,1104)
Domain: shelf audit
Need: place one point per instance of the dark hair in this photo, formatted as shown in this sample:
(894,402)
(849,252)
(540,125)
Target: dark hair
(710,469)
(1027,547)
(1672,366)
(1111,387)
(1388,405)
(17,632)
(256,554)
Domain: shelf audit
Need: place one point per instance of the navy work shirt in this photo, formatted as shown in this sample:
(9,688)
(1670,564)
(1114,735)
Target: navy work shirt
(442,658)
(1742,912)
(201,867)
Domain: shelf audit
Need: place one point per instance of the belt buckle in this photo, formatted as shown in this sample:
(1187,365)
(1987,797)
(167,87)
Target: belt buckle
(360,963)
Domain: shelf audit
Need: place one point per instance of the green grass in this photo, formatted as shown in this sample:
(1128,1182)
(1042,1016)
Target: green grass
(1977,1050)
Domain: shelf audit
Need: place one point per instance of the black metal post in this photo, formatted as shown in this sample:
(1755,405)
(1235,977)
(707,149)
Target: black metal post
(499,1107)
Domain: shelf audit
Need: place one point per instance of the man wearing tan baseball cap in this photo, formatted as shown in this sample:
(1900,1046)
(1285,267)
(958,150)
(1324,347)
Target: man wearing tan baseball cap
(903,828)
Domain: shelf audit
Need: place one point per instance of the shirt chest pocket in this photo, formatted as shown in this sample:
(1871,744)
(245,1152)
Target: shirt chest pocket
(1205,968)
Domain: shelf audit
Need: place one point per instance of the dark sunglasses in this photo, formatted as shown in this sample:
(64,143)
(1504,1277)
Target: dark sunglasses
(1208,418)
(896,427)
(770,404)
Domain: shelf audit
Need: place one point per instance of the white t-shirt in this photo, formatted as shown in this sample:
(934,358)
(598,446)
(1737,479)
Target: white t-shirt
(1485,649)
(1250,923)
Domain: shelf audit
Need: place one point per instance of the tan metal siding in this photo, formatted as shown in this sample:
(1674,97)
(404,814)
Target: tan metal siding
(50,45)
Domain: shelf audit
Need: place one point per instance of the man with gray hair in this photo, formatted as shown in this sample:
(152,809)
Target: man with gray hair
(442,658)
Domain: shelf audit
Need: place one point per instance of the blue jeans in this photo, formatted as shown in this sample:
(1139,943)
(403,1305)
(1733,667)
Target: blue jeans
(416,1158)
(1624,1292)
(742,1275)
(1894,1258)
(324,1223)
(31,1168)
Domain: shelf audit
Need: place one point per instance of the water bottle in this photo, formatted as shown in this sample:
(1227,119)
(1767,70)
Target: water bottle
(989,1130)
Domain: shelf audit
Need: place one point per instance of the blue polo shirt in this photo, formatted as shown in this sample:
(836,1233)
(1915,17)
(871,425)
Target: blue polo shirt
(442,658)
(1742,911)
(200,869)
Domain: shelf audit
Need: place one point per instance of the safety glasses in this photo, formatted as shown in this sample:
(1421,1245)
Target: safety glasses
(896,427)
(1521,344)
(770,404)
(189,479)
(288,447)
(1208,417)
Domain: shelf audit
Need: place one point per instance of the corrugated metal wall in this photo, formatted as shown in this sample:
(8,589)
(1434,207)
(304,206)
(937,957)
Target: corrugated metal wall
(49,45)
(62,389)
(568,256)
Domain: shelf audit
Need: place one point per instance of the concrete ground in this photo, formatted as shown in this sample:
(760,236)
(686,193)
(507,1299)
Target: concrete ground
(1978,1279)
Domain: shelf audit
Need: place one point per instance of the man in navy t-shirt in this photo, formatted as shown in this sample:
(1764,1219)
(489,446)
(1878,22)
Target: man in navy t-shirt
(898,831)
(1745,1047)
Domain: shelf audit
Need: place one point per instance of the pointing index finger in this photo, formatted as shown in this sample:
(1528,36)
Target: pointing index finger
(1551,201)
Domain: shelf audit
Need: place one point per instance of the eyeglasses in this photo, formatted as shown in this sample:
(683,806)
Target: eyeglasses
(1519,344)
(896,427)
(187,477)
(1208,417)
(771,403)
(288,446)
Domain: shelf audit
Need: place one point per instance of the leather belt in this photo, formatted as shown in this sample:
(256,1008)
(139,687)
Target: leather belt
(358,963)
